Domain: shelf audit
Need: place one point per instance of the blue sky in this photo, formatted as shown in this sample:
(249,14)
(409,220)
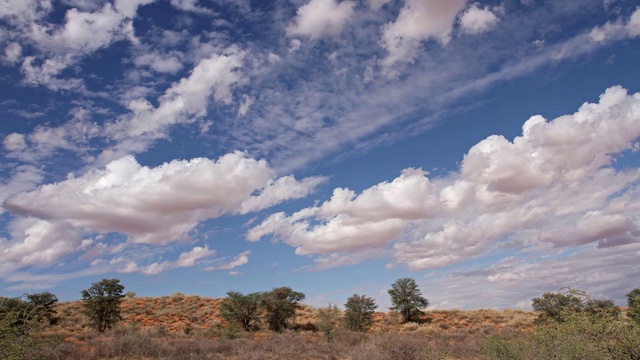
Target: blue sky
(487,149)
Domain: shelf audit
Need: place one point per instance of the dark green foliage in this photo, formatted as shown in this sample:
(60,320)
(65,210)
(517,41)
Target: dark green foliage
(633,301)
(280,306)
(242,309)
(19,316)
(101,303)
(557,306)
(597,306)
(44,301)
(359,310)
(554,306)
(407,299)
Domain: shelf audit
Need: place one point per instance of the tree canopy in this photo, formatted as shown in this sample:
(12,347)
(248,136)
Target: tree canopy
(280,306)
(407,299)
(359,310)
(101,303)
(242,309)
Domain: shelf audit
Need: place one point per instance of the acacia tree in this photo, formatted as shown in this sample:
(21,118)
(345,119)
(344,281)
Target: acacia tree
(101,303)
(242,309)
(554,306)
(407,299)
(280,306)
(44,301)
(358,314)
(633,301)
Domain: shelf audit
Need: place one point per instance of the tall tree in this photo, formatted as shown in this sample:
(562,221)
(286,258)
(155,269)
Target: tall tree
(358,314)
(101,303)
(242,309)
(280,306)
(407,299)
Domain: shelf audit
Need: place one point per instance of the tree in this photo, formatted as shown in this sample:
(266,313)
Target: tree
(242,309)
(101,303)
(359,310)
(407,299)
(20,315)
(44,301)
(633,301)
(599,306)
(280,306)
(553,306)
(328,320)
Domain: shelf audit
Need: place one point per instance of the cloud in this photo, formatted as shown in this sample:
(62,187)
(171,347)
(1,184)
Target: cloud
(14,142)
(419,20)
(157,205)
(553,185)
(476,20)
(13,53)
(39,242)
(23,178)
(187,259)
(376,4)
(190,5)
(633,26)
(516,280)
(185,100)
(82,33)
(239,260)
(320,18)
(162,63)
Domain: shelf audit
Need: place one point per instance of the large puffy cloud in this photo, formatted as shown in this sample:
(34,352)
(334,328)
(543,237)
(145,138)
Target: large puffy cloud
(419,20)
(552,185)
(157,205)
(321,17)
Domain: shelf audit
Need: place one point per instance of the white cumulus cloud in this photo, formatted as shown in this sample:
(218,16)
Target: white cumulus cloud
(157,205)
(318,18)
(476,19)
(419,20)
(551,185)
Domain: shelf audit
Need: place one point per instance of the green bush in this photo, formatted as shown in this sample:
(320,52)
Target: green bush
(328,320)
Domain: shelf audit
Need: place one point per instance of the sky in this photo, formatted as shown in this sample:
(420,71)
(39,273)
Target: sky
(488,149)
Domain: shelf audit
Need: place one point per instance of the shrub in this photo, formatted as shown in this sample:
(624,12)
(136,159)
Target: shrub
(407,299)
(328,320)
(358,315)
